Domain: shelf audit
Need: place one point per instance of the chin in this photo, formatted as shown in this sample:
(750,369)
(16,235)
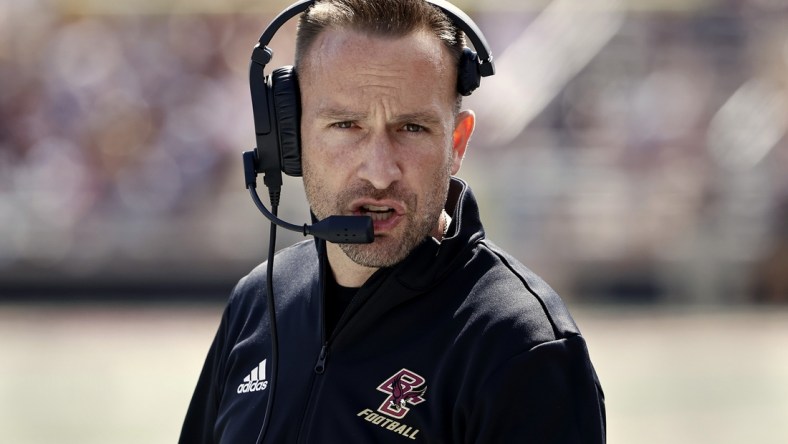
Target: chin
(384,252)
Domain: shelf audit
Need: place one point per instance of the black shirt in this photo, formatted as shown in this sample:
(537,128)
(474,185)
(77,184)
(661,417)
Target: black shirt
(337,298)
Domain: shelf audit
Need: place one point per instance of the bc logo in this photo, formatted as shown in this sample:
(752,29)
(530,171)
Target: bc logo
(403,388)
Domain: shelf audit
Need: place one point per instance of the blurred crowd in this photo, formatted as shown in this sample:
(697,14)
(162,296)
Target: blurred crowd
(117,132)
(623,151)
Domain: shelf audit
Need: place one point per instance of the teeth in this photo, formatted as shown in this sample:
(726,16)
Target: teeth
(376,208)
(379,216)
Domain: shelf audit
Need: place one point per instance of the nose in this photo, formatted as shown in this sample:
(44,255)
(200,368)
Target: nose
(380,162)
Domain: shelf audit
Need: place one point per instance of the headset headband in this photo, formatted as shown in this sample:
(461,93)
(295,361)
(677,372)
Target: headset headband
(262,54)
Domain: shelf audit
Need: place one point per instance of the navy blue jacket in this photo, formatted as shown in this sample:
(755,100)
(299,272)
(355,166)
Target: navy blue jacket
(458,343)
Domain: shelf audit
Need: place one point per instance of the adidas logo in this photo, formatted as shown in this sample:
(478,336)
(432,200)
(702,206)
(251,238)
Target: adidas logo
(255,381)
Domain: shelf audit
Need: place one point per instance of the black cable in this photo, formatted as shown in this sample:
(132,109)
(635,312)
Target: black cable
(337,229)
(274,195)
(303,229)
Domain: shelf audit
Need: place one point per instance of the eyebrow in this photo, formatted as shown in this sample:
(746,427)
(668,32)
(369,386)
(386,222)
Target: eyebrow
(352,116)
(419,117)
(339,114)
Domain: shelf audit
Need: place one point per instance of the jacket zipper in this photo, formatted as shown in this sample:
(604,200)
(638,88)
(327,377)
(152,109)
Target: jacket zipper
(320,367)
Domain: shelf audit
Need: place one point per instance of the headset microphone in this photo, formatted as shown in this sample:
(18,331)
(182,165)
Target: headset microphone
(336,229)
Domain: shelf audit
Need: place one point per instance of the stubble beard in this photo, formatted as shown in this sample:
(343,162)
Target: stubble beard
(421,219)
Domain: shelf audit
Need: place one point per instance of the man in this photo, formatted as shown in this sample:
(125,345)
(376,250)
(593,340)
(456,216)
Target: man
(431,333)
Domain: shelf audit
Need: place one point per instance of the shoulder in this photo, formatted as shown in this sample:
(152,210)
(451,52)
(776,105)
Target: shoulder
(535,287)
(508,298)
(295,267)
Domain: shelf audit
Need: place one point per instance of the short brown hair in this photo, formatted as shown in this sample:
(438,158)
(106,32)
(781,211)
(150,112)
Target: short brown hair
(390,18)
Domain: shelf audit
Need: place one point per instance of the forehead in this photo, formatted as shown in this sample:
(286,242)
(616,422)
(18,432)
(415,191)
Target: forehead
(352,59)
(349,41)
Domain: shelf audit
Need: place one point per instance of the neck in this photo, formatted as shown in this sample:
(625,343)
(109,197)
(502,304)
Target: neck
(443,225)
(346,272)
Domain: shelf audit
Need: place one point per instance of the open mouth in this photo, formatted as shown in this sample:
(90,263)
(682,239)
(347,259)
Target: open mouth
(377,213)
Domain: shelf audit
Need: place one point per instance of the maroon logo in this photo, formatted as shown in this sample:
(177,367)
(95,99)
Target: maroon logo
(404,388)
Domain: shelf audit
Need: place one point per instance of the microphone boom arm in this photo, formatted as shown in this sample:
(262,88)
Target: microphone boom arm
(335,229)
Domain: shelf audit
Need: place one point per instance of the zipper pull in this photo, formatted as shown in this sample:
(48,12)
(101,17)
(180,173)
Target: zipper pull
(320,367)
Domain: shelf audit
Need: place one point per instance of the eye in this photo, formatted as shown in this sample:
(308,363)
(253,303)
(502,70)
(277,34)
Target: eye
(342,125)
(413,128)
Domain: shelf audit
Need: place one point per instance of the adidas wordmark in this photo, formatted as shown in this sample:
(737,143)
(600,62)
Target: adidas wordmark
(255,381)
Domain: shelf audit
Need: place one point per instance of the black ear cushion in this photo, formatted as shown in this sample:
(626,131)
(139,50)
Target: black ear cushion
(469,76)
(287,106)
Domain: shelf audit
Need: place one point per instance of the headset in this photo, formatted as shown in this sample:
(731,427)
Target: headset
(276,104)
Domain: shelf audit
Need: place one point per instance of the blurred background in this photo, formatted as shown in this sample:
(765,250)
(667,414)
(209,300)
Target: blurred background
(631,152)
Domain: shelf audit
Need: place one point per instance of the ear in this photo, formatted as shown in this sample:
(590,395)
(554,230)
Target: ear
(463,128)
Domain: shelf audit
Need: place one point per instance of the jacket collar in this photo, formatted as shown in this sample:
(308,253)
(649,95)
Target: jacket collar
(428,263)
(424,268)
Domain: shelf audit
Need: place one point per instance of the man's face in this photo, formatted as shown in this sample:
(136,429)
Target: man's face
(378,136)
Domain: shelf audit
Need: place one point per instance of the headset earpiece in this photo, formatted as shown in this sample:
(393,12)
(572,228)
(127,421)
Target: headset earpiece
(287,106)
(468,75)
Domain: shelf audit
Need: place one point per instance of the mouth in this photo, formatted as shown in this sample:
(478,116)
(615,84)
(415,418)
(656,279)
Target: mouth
(376,212)
(386,214)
